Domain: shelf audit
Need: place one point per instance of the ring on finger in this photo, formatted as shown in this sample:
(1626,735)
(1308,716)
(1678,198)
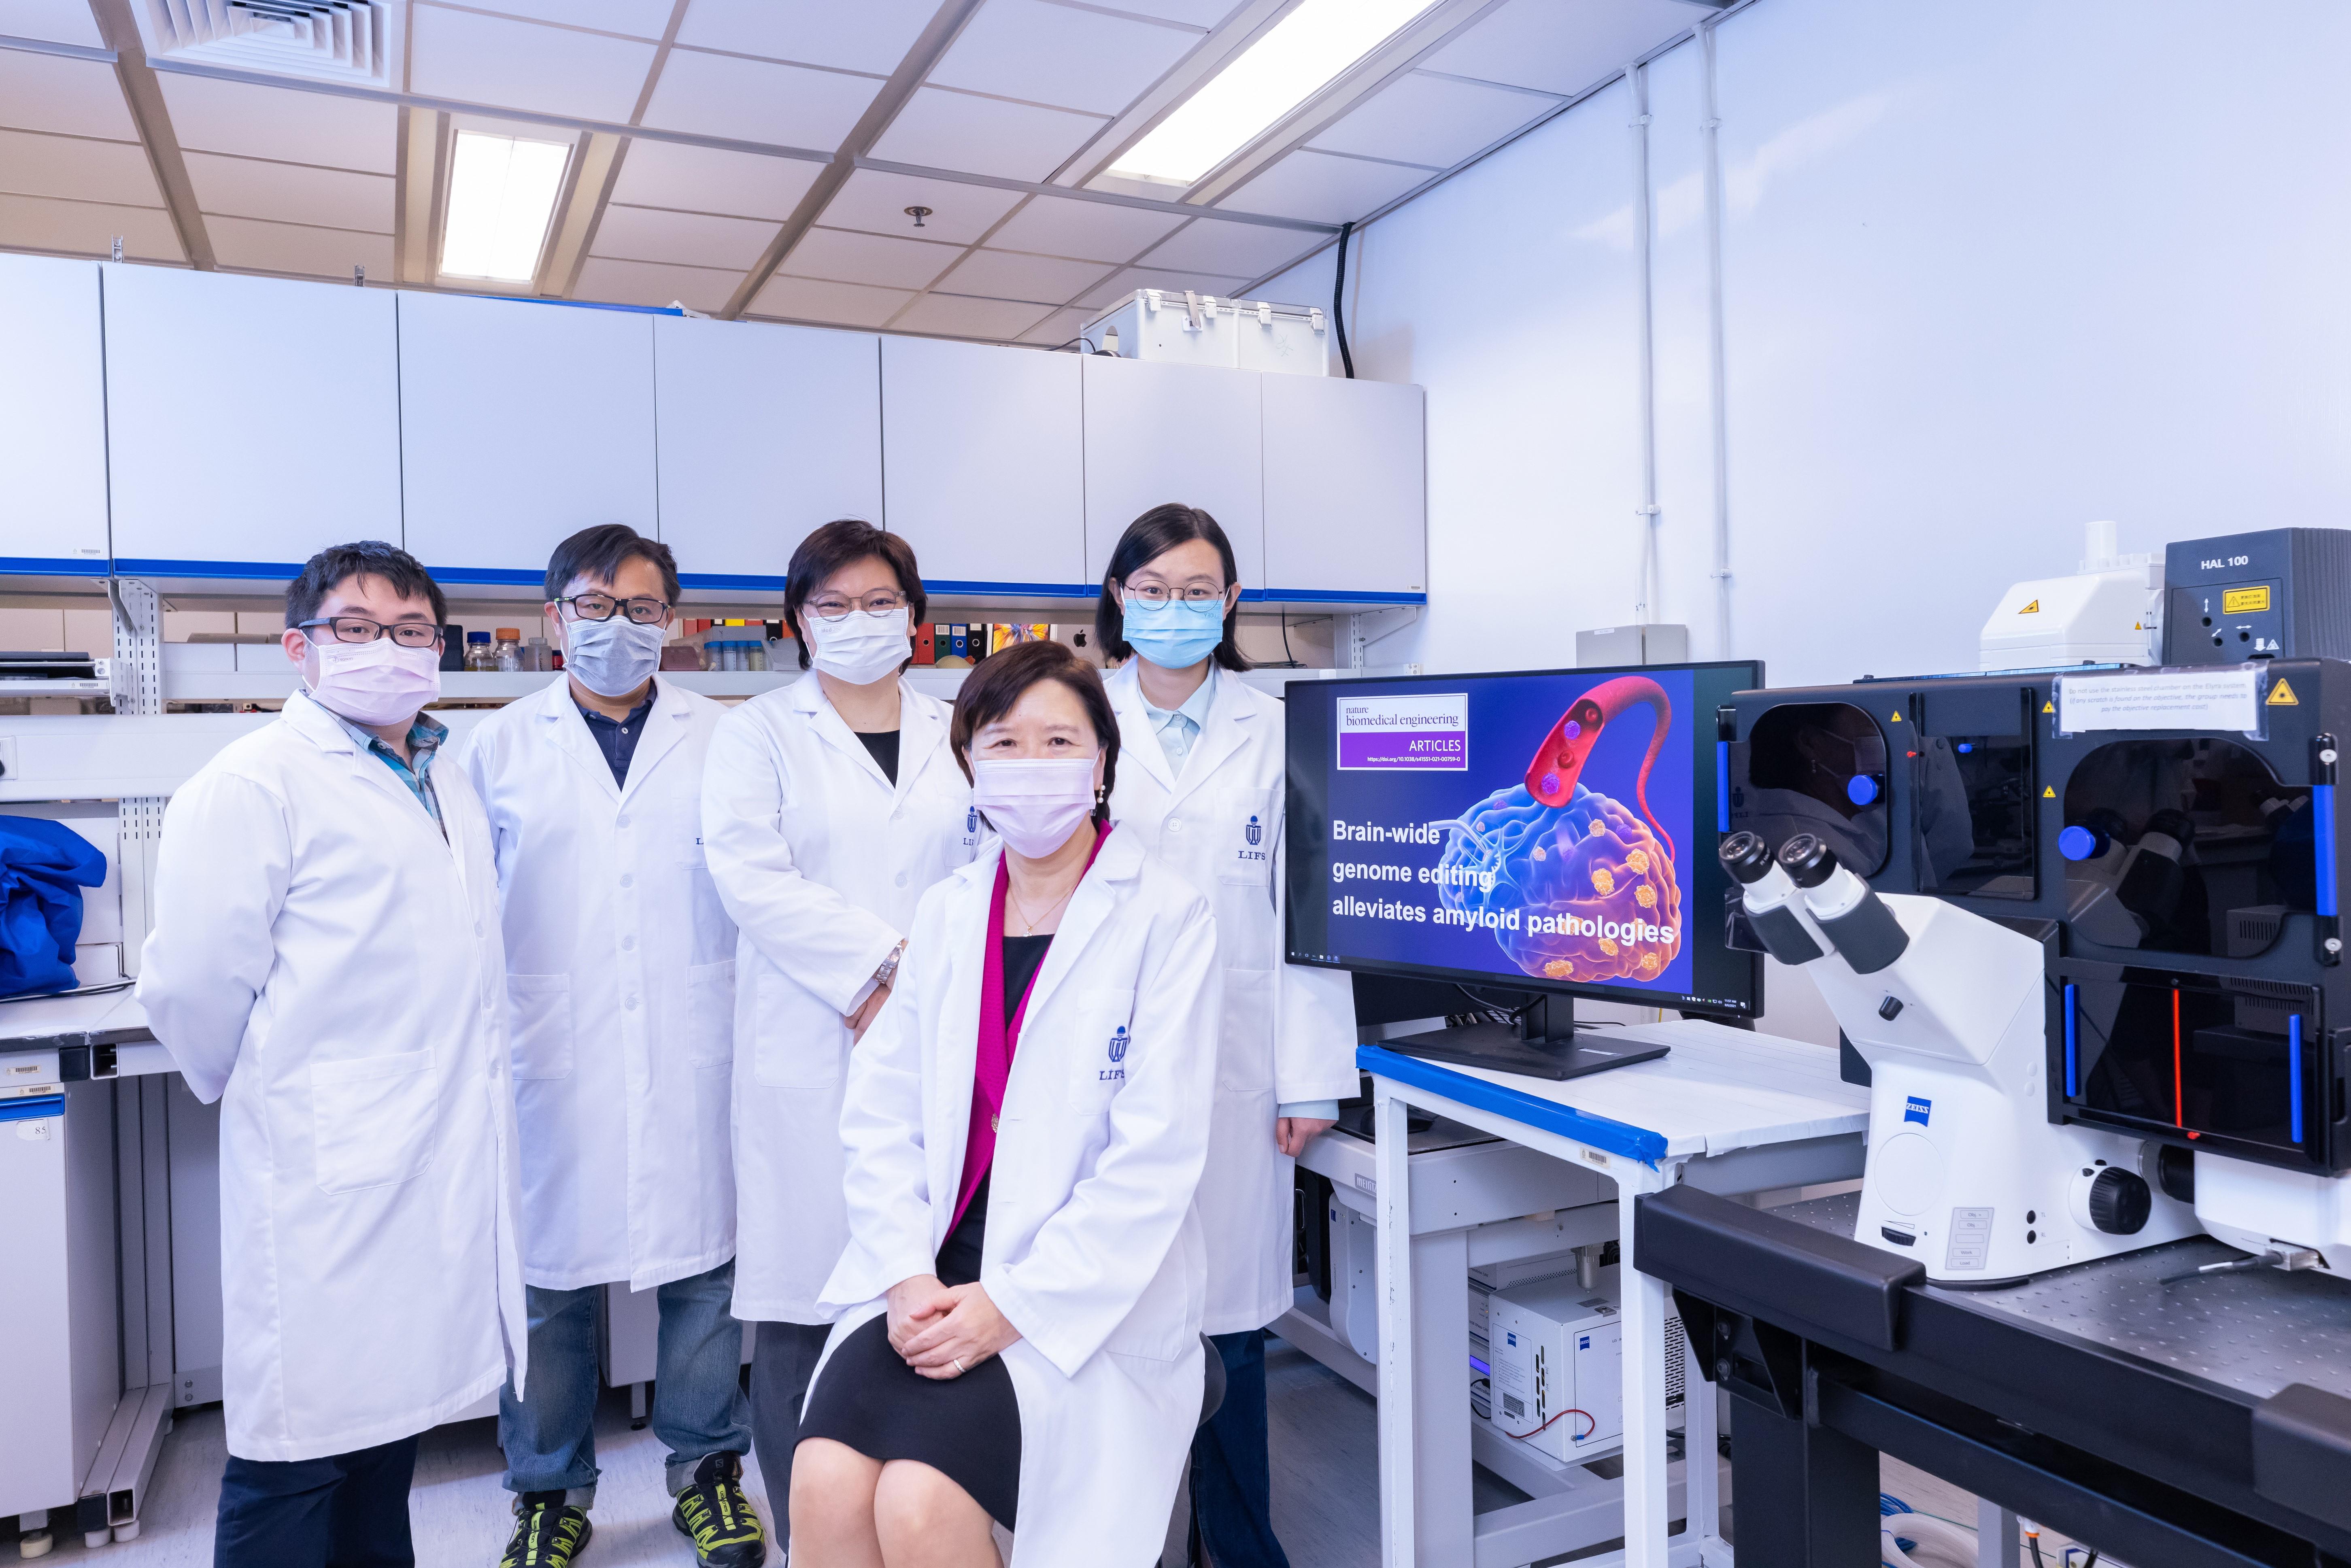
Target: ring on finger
(958,1363)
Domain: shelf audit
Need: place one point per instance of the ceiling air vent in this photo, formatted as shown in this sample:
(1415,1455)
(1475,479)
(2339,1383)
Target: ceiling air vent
(336,40)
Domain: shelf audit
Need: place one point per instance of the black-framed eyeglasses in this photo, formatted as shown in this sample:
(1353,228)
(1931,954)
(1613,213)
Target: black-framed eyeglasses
(603,606)
(1152,593)
(880,601)
(359,629)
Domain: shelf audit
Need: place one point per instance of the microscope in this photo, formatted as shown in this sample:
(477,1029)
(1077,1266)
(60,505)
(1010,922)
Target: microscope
(2079,927)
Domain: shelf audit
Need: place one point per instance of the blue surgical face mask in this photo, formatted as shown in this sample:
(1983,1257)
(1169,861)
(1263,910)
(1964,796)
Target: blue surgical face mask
(1177,635)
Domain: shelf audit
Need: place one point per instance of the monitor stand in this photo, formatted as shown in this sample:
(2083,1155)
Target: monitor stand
(1550,1047)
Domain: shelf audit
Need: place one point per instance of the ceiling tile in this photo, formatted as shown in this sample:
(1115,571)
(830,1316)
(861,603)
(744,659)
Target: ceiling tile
(997,320)
(654,283)
(53,92)
(282,122)
(943,130)
(1194,12)
(876,201)
(1008,275)
(755,101)
(1127,282)
(645,18)
(52,21)
(818,300)
(707,179)
(88,229)
(1560,45)
(1057,329)
(291,193)
(293,247)
(846,256)
(695,239)
(1058,54)
(870,35)
(1431,119)
(78,170)
(1250,249)
(1324,187)
(1094,231)
(521,65)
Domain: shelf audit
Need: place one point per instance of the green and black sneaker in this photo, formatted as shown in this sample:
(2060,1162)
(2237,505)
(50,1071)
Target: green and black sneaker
(720,1520)
(549,1532)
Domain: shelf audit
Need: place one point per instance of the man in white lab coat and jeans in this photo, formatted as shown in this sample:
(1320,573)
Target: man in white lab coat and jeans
(326,963)
(621,975)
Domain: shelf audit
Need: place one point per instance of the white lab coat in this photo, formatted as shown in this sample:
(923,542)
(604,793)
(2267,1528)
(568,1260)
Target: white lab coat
(621,980)
(327,965)
(821,861)
(1093,1249)
(1289,1032)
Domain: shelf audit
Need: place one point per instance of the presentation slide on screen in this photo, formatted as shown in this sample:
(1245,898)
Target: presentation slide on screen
(1535,824)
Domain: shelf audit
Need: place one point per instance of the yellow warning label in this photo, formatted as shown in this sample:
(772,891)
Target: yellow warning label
(2049,792)
(1897,718)
(2048,707)
(2244,600)
(2138,625)
(2281,696)
(2031,608)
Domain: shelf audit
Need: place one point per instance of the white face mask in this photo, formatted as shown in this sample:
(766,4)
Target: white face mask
(858,648)
(1034,803)
(376,683)
(611,658)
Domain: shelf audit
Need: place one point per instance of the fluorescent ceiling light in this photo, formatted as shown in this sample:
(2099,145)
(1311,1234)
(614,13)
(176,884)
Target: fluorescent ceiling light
(1294,60)
(502,192)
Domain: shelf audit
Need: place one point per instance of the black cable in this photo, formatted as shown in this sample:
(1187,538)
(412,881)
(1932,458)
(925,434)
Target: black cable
(1338,301)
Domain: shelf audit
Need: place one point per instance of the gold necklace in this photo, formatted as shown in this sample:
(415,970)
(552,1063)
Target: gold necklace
(1028,927)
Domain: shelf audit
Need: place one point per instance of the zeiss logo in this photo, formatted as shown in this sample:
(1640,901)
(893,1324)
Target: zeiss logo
(1513,1339)
(1917,1110)
(1118,1044)
(1256,831)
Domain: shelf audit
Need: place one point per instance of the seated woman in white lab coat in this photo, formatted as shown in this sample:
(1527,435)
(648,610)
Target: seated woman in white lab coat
(1025,1353)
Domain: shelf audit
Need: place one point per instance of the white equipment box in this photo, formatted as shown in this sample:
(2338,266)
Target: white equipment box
(2108,612)
(1557,1352)
(1190,329)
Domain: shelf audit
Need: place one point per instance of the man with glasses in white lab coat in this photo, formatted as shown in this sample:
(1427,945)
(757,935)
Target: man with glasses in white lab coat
(621,975)
(324,962)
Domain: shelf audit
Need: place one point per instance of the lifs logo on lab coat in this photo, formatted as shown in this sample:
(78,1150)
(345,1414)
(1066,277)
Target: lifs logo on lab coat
(1256,831)
(1116,1072)
(1250,849)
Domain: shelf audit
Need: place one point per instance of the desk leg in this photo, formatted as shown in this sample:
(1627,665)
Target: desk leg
(1398,1447)
(1702,1491)
(1996,1542)
(1444,1519)
(1807,1496)
(1646,1512)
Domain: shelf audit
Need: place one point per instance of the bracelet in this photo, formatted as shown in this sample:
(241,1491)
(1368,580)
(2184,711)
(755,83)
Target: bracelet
(889,969)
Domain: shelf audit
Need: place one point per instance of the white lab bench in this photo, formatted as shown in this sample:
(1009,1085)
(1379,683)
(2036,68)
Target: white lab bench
(1728,1111)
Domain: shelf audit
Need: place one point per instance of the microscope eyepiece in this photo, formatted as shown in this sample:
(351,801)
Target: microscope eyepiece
(1746,857)
(1807,859)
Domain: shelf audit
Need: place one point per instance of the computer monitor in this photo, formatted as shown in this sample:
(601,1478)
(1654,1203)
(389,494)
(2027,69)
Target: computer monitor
(1547,831)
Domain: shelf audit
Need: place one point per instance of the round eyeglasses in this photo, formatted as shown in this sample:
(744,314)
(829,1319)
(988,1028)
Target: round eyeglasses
(1152,593)
(833,607)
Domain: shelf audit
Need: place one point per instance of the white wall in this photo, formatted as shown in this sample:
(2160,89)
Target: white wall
(1992,271)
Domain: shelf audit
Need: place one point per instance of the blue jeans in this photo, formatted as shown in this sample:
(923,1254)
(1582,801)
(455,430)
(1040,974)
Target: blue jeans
(1232,1480)
(348,1511)
(698,1408)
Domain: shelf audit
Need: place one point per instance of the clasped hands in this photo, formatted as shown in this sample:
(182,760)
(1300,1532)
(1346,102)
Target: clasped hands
(943,1330)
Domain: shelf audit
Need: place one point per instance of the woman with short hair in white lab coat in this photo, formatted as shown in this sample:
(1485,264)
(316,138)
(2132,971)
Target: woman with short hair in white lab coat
(1203,789)
(828,807)
(1025,1124)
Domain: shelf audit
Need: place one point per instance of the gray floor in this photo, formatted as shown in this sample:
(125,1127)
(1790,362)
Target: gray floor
(1325,1488)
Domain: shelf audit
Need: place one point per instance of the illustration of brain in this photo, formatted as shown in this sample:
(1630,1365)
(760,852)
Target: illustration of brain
(1587,878)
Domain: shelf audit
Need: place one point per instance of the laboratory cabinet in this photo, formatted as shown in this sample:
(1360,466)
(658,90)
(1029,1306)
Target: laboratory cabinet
(982,460)
(52,417)
(1346,510)
(250,421)
(765,433)
(1159,432)
(520,424)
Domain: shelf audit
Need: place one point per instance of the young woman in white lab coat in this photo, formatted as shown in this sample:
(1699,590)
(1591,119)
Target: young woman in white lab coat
(828,807)
(1025,1353)
(1203,791)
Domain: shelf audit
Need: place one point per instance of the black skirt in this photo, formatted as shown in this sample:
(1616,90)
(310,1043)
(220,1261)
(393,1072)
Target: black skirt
(968,1428)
